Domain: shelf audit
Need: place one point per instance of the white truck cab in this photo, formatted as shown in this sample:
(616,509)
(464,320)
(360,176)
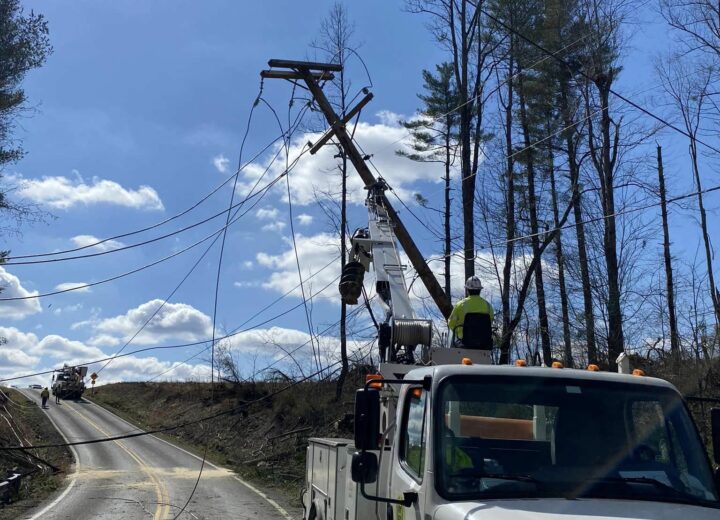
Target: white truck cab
(468,442)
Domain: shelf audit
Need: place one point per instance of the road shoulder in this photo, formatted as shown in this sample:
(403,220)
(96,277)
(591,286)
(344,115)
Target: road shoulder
(33,426)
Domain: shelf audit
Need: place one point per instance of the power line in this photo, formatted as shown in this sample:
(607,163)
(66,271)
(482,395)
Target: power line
(596,219)
(177,287)
(152,226)
(590,78)
(168,428)
(236,332)
(286,354)
(215,304)
(146,266)
(439,118)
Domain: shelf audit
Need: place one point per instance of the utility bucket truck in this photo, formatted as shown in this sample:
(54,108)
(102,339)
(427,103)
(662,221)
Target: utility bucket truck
(441,434)
(68,382)
(444,435)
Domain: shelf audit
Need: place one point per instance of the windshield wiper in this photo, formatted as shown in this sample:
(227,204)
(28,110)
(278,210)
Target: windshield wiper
(643,480)
(659,484)
(499,476)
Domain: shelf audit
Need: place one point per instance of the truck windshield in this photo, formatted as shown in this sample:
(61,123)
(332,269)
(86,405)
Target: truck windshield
(545,437)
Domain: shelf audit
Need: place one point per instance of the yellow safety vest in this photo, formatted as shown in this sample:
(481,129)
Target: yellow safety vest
(457,459)
(471,304)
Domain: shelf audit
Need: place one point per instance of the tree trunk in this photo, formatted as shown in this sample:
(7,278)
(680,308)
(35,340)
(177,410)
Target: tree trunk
(509,218)
(714,297)
(534,227)
(461,62)
(560,259)
(343,259)
(447,250)
(672,316)
(615,330)
(574,173)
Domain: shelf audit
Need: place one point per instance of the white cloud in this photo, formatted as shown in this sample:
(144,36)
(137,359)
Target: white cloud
(291,347)
(244,285)
(104,339)
(12,288)
(17,350)
(389,118)
(24,352)
(68,308)
(133,368)
(248,265)
(67,350)
(221,163)
(314,253)
(274,226)
(86,240)
(304,219)
(317,175)
(16,358)
(267,213)
(72,285)
(63,193)
(178,321)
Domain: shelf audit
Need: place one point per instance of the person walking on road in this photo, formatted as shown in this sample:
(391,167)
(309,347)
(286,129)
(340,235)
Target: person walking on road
(44,395)
(57,397)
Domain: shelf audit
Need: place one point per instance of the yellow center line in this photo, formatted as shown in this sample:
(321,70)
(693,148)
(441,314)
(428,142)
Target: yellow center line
(162,510)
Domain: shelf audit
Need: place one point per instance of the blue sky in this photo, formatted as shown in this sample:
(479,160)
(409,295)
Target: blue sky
(140,111)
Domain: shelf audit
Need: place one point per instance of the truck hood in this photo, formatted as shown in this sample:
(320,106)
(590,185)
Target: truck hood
(561,509)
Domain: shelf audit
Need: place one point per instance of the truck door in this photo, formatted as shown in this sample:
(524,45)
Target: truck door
(409,454)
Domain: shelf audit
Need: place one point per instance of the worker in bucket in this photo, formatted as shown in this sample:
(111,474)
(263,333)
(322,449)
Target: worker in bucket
(44,395)
(475,305)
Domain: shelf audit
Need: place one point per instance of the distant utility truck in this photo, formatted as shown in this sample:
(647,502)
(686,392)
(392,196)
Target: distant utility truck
(69,382)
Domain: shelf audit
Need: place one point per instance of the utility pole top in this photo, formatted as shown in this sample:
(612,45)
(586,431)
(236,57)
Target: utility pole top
(306,65)
(311,73)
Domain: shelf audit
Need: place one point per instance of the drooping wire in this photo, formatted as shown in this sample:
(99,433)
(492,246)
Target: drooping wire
(152,226)
(585,75)
(217,293)
(177,426)
(236,332)
(286,144)
(149,265)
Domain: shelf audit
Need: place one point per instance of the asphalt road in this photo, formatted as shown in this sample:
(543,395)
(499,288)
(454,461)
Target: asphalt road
(142,477)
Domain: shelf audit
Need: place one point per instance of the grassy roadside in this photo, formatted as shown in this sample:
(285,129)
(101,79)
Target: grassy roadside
(22,417)
(264,443)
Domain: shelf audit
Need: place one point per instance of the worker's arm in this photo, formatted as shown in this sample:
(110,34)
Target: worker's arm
(455,319)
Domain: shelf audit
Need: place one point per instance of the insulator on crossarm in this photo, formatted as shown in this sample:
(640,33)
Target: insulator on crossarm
(351,282)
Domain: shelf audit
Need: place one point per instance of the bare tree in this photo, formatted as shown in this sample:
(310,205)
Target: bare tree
(689,90)
(698,21)
(667,257)
(335,42)
(458,27)
(434,139)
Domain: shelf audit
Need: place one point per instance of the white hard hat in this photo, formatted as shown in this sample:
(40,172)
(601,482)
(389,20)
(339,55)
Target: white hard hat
(473,284)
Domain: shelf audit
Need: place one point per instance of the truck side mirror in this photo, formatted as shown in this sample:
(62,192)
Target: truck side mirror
(364,467)
(367,419)
(715,424)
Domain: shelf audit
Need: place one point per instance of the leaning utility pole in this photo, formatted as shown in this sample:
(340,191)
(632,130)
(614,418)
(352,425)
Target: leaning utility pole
(311,73)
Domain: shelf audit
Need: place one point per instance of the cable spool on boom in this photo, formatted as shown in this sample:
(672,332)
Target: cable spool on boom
(351,282)
(411,332)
